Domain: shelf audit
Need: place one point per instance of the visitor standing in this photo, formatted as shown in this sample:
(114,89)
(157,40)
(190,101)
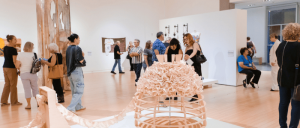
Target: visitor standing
(273,61)
(192,49)
(167,42)
(287,55)
(128,56)
(147,55)
(136,54)
(55,59)
(75,62)
(250,44)
(10,72)
(28,78)
(117,56)
(158,47)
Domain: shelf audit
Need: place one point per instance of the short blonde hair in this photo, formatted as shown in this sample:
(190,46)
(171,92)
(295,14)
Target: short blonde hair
(28,47)
(52,47)
(291,32)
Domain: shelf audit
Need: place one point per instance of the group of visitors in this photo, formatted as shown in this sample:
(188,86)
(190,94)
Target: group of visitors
(170,47)
(26,64)
(284,61)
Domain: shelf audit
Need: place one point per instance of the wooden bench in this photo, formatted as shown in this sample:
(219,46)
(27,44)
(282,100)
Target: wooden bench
(207,83)
(259,60)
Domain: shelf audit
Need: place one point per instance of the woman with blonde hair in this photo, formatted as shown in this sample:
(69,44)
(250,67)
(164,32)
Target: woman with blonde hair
(287,56)
(55,59)
(10,72)
(192,49)
(29,79)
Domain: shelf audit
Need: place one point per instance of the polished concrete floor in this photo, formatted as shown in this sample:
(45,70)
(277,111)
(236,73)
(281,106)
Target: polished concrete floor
(106,95)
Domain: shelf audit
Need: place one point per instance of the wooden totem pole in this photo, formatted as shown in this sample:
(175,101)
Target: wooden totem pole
(54,26)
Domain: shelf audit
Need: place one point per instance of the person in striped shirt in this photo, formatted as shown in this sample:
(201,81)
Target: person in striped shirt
(136,53)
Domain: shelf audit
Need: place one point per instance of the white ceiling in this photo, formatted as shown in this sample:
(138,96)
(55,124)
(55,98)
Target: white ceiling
(241,4)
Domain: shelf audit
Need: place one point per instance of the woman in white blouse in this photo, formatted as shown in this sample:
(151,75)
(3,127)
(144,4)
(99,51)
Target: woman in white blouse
(29,80)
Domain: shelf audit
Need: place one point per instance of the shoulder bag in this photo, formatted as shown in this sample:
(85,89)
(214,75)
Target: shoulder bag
(77,62)
(296,95)
(56,71)
(128,56)
(200,58)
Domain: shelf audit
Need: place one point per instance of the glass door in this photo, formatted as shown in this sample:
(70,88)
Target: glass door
(278,18)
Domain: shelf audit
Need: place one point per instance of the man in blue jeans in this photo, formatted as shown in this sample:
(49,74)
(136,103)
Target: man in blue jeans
(136,54)
(117,58)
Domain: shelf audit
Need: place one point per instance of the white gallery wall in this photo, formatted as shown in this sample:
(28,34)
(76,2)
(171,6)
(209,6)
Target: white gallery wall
(177,8)
(222,35)
(257,24)
(18,17)
(94,19)
(133,19)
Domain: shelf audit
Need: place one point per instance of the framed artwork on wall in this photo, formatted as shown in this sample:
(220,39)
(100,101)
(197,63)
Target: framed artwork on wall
(108,44)
(3,42)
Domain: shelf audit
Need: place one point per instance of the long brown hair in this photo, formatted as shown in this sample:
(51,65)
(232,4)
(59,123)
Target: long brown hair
(190,38)
(148,44)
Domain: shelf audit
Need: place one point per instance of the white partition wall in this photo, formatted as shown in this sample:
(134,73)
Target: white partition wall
(223,33)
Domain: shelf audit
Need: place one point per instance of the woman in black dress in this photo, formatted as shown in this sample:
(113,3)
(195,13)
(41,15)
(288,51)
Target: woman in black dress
(192,49)
(55,59)
(174,48)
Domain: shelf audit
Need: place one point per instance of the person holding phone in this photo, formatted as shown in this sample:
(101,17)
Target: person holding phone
(246,66)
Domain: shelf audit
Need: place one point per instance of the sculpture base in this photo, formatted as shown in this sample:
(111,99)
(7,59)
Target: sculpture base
(164,122)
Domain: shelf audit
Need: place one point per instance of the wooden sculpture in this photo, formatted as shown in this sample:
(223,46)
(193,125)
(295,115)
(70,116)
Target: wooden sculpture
(54,26)
(169,79)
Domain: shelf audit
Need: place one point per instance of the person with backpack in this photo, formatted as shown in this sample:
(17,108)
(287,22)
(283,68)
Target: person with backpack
(28,65)
(251,45)
(55,59)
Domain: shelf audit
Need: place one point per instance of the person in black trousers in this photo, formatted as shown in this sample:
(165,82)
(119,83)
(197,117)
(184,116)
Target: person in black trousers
(192,49)
(286,57)
(246,66)
(55,59)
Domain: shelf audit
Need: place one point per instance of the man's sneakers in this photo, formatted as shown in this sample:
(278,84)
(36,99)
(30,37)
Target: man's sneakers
(121,72)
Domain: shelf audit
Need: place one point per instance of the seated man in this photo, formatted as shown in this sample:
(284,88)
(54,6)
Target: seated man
(246,66)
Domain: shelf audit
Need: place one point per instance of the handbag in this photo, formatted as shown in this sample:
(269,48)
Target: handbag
(56,71)
(128,56)
(200,58)
(77,62)
(296,95)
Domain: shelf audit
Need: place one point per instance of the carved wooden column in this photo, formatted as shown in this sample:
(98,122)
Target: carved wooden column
(54,26)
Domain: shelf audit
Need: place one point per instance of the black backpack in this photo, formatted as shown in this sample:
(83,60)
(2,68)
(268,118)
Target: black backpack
(36,65)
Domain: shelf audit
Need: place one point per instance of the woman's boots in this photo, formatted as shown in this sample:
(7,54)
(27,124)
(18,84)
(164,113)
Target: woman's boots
(61,99)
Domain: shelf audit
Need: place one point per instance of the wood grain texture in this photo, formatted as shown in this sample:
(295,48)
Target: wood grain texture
(107,95)
(53,27)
